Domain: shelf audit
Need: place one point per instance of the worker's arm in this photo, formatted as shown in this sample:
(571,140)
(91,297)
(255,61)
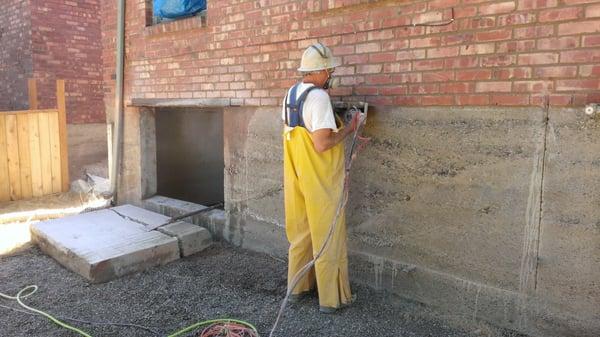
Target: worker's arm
(325,139)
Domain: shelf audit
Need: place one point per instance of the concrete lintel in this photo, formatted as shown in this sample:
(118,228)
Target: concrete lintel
(192,102)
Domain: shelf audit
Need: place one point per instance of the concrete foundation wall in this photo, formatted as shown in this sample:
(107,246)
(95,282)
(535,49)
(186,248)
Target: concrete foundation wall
(484,213)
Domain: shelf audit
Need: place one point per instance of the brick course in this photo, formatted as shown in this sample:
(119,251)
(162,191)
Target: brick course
(507,53)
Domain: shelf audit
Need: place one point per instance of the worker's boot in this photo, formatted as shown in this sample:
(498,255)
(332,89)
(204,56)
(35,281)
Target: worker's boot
(331,310)
(295,298)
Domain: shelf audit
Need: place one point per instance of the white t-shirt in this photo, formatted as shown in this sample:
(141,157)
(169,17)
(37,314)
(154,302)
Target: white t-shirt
(318,112)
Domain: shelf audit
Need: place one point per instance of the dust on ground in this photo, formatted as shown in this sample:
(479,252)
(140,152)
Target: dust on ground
(220,282)
(47,207)
(17,216)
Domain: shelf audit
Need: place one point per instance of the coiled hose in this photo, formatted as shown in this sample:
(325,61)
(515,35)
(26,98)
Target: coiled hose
(216,327)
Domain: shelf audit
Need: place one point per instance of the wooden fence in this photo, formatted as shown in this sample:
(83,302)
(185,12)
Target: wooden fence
(33,149)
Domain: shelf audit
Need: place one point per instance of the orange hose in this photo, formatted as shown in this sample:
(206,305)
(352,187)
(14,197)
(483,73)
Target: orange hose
(227,330)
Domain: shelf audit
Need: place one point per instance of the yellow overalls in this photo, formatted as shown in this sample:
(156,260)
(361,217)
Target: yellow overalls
(313,187)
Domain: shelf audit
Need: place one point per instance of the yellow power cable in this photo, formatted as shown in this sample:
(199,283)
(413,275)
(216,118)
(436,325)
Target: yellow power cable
(34,288)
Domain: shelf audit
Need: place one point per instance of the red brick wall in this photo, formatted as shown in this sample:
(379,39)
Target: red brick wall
(15,54)
(108,22)
(66,40)
(508,52)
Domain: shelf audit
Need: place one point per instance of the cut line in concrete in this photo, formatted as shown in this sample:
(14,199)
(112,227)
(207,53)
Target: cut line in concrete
(213,220)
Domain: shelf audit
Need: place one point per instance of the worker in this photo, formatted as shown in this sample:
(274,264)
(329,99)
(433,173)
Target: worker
(314,175)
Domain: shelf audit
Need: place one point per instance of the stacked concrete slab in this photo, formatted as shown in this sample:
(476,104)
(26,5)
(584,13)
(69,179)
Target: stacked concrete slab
(106,244)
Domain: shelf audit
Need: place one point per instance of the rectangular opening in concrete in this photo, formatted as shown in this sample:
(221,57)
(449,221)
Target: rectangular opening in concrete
(189,154)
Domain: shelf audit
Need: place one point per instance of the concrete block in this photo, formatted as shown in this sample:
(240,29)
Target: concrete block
(80,186)
(213,220)
(100,185)
(192,238)
(102,245)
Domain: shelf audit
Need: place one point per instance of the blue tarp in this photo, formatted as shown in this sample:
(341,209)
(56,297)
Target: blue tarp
(177,8)
(157,5)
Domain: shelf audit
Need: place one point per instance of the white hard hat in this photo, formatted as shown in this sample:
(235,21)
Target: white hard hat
(317,57)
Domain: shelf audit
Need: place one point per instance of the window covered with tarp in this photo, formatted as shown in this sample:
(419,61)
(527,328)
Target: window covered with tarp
(175,9)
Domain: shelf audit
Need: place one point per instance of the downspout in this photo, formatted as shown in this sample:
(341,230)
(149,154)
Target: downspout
(117,129)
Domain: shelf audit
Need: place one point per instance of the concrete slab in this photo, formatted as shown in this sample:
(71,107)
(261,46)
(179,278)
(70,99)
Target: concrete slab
(213,220)
(148,219)
(102,245)
(192,238)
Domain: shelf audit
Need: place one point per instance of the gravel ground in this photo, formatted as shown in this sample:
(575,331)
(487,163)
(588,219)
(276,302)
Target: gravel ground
(217,283)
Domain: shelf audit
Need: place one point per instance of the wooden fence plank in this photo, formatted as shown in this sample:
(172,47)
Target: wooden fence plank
(25,111)
(45,153)
(24,156)
(4,185)
(62,124)
(55,153)
(12,144)
(33,148)
(36,157)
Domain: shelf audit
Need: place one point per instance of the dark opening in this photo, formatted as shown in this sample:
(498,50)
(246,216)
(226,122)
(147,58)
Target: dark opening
(189,154)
